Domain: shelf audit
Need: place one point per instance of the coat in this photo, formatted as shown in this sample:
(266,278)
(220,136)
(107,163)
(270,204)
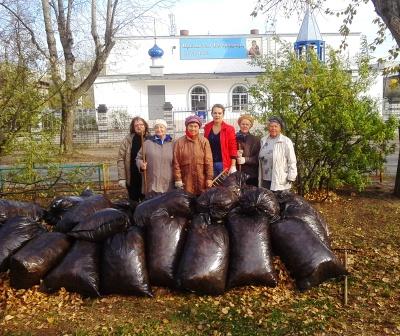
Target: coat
(284,164)
(159,158)
(124,159)
(193,164)
(251,148)
(228,142)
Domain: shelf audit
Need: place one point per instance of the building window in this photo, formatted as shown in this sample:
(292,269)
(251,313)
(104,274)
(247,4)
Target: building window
(198,99)
(240,98)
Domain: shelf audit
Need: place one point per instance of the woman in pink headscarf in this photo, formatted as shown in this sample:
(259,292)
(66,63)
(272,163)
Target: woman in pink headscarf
(193,165)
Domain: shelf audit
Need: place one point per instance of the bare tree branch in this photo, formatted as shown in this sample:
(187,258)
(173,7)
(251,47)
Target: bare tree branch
(31,32)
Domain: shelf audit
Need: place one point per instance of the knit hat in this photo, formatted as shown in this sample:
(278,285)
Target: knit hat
(247,117)
(277,120)
(161,122)
(193,119)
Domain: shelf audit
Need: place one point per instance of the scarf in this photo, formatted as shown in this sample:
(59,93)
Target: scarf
(159,141)
(190,136)
(241,137)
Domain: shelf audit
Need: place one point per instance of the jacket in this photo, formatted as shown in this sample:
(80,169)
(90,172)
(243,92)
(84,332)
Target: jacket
(124,159)
(250,144)
(228,142)
(284,164)
(159,158)
(193,164)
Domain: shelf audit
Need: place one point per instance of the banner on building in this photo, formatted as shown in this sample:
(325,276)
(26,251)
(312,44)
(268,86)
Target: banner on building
(213,48)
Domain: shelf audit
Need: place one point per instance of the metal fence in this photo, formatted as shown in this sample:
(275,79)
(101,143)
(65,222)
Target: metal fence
(95,129)
(49,180)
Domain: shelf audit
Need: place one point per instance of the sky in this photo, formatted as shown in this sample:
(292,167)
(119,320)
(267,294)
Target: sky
(219,17)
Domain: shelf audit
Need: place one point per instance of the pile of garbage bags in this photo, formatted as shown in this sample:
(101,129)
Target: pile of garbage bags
(227,237)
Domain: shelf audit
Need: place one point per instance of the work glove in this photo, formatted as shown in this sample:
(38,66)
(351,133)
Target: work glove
(122,183)
(232,170)
(241,160)
(178,184)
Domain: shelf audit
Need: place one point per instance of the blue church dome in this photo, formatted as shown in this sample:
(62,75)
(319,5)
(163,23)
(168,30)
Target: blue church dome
(155,51)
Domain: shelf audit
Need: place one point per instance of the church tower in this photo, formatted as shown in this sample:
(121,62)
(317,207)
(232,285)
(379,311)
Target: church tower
(309,37)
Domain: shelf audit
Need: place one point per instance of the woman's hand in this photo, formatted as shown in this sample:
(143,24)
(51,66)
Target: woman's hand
(209,183)
(143,165)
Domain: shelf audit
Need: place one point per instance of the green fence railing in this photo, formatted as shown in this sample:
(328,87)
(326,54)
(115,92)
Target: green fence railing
(51,179)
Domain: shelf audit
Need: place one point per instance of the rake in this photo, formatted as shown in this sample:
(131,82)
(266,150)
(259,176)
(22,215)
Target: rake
(220,178)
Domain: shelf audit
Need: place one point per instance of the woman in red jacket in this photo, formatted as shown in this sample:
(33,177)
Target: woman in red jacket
(222,140)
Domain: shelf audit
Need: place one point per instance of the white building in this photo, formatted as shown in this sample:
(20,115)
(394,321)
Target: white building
(193,72)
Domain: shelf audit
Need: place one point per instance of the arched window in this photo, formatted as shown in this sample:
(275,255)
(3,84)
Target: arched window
(240,98)
(198,98)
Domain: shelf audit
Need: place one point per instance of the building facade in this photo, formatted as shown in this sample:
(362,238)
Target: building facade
(173,76)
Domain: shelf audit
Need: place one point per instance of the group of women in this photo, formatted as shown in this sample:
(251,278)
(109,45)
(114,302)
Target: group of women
(157,163)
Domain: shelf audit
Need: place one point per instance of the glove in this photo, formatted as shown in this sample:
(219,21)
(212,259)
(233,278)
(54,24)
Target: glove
(232,170)
(122,183)
(178,184)
(241,160)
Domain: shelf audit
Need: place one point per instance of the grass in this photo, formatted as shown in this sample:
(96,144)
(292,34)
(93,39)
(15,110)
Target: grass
(368,222)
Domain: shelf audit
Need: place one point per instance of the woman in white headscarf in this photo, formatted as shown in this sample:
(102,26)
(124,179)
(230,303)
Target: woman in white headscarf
(155,159)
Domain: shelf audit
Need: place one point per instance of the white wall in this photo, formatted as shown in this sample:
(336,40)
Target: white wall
(133,94)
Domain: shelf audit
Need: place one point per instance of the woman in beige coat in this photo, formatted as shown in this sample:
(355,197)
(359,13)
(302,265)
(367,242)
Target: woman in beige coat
(193,165)
(155,160)
(278,164)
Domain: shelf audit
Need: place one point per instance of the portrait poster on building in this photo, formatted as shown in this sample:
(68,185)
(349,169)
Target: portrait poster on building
(254,46)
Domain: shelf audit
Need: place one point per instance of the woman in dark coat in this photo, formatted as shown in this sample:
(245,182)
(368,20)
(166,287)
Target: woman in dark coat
(129,175)
(248,149)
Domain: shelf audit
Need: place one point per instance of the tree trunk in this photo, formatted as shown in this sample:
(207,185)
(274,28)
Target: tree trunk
(397,183)
(67,125)
(389,11)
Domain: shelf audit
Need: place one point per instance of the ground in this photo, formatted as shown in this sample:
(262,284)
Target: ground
(368,223)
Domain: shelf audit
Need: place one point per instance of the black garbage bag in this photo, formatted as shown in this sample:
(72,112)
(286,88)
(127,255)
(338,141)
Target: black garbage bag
(14,234)
(236,182)
(203,200)
(124,264)
(203,267)
(222,202)
(296,206)
(151,195)
(237,179)
(165,237)
(87,192)
(260,200)
(59,207)
(127,206)
(217,201)
(33,261)
(250,259)
(84,209)
(101,225)
(177,202)
(78,271)
(307,258)
(284,196)
(10,209)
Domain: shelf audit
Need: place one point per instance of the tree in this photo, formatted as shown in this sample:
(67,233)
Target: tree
(19,103)
(388,12)
(338,134)
(21,97)
(63,21)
